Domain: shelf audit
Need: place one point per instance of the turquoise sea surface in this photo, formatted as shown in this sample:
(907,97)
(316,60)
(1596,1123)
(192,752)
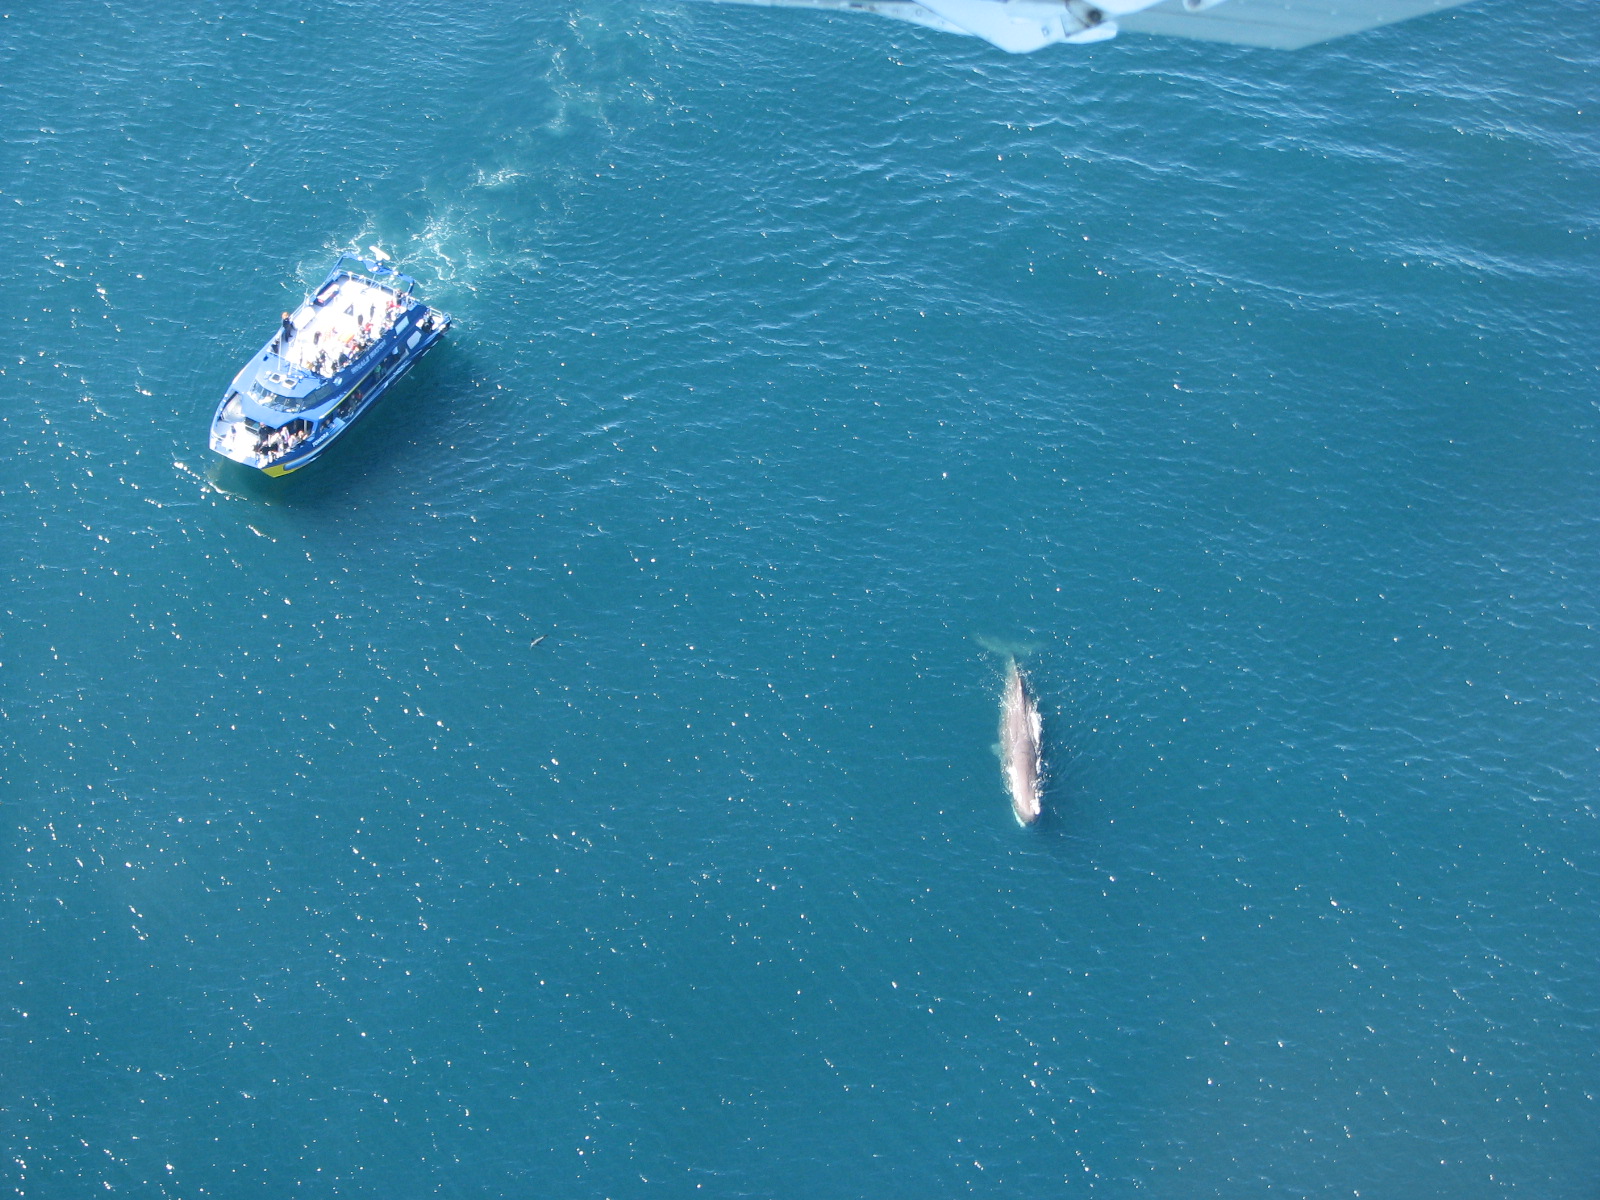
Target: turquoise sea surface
(799,359)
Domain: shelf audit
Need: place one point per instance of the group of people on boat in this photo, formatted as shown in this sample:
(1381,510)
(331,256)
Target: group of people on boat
(274,443)
(330,359)
(321,365)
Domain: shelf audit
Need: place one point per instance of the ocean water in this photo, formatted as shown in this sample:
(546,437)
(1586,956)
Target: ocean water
(799,359)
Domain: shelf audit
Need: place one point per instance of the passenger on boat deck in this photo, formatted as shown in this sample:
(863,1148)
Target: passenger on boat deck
(288,330)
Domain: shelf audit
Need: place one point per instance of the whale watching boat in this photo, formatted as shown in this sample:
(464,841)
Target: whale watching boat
(329,362)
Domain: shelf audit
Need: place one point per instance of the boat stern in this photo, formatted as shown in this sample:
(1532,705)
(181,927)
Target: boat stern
(273,451)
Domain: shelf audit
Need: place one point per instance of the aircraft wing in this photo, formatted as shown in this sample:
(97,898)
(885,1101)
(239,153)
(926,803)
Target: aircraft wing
(1278,24)
(1019,26)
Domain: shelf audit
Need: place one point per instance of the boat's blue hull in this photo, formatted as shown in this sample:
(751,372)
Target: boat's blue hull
(313,446)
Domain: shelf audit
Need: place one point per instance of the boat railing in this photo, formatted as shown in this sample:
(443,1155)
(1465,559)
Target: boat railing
(377,269)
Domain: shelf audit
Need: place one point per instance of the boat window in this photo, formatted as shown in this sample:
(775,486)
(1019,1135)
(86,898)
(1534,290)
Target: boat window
(279,403)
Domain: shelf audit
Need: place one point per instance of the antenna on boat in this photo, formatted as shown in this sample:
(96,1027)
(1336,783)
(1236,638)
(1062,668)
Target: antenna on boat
(378,254)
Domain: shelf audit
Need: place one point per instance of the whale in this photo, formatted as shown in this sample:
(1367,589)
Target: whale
(1021,733)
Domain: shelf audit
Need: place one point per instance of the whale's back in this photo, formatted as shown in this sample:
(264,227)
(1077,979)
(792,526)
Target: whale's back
(1020,737)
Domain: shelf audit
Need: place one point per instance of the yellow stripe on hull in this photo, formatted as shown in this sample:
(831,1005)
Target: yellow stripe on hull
(278,472)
